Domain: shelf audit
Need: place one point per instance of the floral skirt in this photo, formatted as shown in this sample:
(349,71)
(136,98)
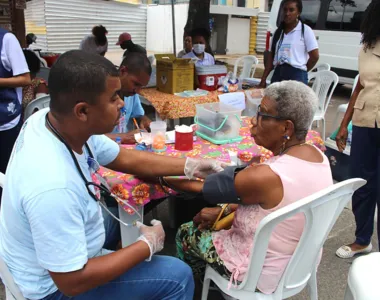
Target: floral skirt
(195,247)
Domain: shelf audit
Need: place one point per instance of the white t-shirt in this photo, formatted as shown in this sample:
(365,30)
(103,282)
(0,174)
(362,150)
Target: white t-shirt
(295,48)
(88,44)
(207,60)
(13,59)
(48,220)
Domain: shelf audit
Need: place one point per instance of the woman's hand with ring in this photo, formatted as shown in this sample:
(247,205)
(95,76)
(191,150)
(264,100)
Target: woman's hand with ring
(206,218)
(341,138)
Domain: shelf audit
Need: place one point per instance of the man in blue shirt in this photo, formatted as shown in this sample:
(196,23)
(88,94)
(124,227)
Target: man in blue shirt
(135,71)
(51,223)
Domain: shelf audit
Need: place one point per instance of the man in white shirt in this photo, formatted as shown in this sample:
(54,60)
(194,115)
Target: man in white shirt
(14,74)
(51,224)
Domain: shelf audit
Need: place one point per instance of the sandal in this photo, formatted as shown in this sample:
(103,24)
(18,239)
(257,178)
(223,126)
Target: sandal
(347,252)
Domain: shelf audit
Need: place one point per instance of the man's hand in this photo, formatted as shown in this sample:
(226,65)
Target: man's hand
(129,137)
(201,168)
(206,218)
(153,235)
(145,123)
(341,138)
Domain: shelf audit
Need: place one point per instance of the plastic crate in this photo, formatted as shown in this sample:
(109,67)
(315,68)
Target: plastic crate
(218,123)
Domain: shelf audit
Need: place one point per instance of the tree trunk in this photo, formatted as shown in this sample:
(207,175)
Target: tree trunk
(198,16)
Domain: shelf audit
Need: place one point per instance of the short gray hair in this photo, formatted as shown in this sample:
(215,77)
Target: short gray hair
(296,102)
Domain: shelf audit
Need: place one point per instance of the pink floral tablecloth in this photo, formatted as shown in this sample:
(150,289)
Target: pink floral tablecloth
(138,192)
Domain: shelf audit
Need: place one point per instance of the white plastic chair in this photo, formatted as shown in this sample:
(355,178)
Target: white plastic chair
(36,105)
(321,211)
(362,283)
(324,86)
(151,59)
(343,107)
(250,63)
(320,67)
(256,81)
(12,292)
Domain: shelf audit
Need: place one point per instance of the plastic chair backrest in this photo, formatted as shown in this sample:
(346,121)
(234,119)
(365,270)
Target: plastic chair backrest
(12,290)
(249,66)
(44,74)
(321,211)
(321,67)
(324,85)
(2,179)
(151,59)
(36,105)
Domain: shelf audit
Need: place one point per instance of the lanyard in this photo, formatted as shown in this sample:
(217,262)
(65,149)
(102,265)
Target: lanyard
(103,190)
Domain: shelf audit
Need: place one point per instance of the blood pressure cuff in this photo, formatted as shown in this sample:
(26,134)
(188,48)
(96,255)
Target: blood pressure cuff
(220,187)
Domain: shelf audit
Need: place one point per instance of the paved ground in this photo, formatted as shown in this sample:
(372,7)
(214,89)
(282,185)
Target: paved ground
(332,274)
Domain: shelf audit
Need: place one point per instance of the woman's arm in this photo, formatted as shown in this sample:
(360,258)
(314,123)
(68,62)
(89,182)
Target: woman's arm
(341,137)
(268,69)
(313,59)
(16,81)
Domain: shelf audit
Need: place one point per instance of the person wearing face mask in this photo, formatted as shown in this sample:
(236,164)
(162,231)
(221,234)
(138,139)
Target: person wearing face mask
(294,49)
(135,71)
(200,38)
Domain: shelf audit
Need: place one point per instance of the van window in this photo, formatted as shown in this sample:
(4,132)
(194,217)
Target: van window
(345,15)
(337,15)
(310,12)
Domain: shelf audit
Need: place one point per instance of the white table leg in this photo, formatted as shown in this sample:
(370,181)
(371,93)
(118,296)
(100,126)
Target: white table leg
(129,234)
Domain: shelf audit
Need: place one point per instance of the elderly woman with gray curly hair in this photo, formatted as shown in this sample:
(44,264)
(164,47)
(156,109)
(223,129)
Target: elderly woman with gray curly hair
(297,170)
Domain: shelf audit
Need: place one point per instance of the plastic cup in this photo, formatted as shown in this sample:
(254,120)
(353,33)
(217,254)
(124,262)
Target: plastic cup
(158,131)
(183,141)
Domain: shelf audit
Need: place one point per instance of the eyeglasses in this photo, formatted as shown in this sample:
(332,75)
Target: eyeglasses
(264,115)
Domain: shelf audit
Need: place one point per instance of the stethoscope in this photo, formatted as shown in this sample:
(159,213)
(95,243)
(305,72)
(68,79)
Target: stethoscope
(104,191)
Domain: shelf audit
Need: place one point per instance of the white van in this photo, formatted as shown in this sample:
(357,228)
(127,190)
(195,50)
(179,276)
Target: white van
(336,24)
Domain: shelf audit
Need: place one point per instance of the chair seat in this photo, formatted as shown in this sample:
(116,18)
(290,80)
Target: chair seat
(363,278)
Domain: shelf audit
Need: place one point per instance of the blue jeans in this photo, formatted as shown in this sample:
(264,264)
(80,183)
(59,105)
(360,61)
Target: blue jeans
(365,163)
(287,72)
(164,277)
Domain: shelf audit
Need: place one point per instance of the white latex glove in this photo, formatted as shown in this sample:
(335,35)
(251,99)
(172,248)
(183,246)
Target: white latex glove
(154,236)
(200,168)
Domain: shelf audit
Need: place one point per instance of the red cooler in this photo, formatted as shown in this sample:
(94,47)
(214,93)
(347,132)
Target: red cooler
(211,77)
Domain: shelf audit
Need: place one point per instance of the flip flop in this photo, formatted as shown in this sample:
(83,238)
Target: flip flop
(347,252)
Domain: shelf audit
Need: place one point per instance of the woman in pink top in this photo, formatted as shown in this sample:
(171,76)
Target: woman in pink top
(297,170)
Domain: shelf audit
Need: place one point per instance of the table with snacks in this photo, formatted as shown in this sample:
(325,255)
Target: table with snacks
(138,193)
(170,106)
